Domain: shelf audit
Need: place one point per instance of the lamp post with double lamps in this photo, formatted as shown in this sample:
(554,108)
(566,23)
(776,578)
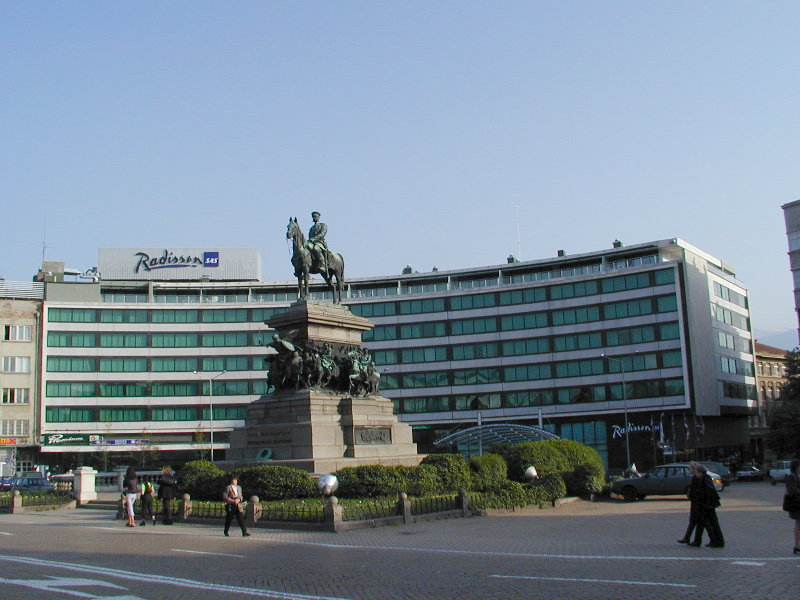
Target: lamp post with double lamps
(211,406)
(624,408)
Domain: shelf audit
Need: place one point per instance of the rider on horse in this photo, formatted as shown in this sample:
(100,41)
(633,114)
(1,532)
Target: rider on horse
(316,244)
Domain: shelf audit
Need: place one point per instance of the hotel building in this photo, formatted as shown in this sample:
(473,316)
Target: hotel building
(656,335)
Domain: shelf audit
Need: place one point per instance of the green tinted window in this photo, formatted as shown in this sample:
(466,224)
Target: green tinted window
(378,309)
(632,335)
(422,330)
(582,341)
(115,415)
(123,316)
(526,321)
(123,365)
(123,390)
(171,364)
(69,415)
(473,351)
(529,398)
(469,326)
(225,339)
(474,301)
(667,303)
(174,413)
(70,389)
(175,316)
(626,282)
(664,277)
(630,308)
(225,315)
(380,334)
(526,296)
(411,307)
(68,364)
(671,359)
(580,368)
(570,316)
(421,355)
(385,357)
(523,347)
(573,290)
(527,372)
(63,339)
(166,388)
(72,315)
(476,376)
(123,340)
(431,379)
(225,363)
(669,331)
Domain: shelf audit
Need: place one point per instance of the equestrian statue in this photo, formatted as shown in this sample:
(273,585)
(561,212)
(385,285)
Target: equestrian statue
(312,256)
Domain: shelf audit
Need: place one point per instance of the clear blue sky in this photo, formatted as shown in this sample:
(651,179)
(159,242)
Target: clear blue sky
(415,127)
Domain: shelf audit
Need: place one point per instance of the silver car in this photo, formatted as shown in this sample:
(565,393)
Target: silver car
(779,470)
(664,480)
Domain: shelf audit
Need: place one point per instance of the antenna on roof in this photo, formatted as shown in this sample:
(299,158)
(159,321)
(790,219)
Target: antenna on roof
(44,239)
(519,240)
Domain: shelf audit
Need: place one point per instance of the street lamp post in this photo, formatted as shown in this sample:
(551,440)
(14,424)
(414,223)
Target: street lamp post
(624,408)
(211,406)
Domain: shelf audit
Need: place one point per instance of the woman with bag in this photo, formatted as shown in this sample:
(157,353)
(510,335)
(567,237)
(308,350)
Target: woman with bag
(791,501)
(233,505)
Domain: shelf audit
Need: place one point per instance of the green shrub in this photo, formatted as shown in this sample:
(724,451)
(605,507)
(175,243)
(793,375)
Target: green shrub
(586,474)
(371,481)
(547,459)
(554,486)
(202,480)
(489,472)
(454,472)
(273,482)
(423,480)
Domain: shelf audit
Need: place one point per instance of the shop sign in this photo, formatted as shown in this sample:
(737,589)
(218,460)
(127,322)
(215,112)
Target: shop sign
(4,441)
(170,260)
(124,442)
(618,431)
(69,439)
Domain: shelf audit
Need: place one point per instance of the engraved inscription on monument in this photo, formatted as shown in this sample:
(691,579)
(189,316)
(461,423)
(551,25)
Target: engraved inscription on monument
(372,435)
(270,436)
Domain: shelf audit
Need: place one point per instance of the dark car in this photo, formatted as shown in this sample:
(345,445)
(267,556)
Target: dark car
(719,469)
(32,483)
(750,473)
(664,480)
(6,483)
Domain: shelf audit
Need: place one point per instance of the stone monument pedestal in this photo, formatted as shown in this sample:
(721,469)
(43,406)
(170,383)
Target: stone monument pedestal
(319,429)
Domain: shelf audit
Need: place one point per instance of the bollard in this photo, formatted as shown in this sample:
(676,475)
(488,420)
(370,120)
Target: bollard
(404,508)
(253,510)
(463,502)
(16,502)
(184,507)
(333,515)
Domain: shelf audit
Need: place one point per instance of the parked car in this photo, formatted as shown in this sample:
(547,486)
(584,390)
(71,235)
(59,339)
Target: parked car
(32,483)
(719,469)
(779,470)
(750,473)
(6,483)
(664,480)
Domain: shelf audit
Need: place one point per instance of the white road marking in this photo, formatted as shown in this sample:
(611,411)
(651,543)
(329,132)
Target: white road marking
(5,533)
(622,581)
(58,584)
(211,553)
(152,578)
(748,563)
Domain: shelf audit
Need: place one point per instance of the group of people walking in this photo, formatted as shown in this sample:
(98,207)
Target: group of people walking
(703,500)
(167,489)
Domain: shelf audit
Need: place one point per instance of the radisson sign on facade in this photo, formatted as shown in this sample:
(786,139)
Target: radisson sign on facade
(121,264)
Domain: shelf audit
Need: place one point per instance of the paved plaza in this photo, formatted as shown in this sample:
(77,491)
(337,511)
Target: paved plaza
(590,550)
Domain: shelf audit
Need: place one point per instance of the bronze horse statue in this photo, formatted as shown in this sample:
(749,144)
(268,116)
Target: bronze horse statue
(304,264)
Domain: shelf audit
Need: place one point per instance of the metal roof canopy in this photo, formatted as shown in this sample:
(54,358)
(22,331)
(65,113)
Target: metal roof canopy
(496,433)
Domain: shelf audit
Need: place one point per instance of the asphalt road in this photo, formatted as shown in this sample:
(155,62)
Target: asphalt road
(591,550)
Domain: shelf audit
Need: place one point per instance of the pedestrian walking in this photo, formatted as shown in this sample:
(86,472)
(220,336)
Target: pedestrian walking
(233,506)
(707,515)
(130,490)
(167,488)
(147,503)
(695,495)
(791,502)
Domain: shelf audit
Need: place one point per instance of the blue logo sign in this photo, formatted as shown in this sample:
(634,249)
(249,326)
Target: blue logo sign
(210,259)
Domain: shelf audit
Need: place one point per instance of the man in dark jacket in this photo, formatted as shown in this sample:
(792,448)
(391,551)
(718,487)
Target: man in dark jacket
(167,489)
(708,502)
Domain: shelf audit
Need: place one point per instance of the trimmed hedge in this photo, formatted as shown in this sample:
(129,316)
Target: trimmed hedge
(489,472)
(202,480)
(454,472)
(371,481)
(274,482)
(545,458)
(588,473)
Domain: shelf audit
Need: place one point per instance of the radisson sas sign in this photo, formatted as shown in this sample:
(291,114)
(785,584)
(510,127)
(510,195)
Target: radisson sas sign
(169,260)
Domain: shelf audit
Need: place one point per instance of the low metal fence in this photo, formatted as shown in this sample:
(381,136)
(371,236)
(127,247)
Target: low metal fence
(368,510)
(434,504)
